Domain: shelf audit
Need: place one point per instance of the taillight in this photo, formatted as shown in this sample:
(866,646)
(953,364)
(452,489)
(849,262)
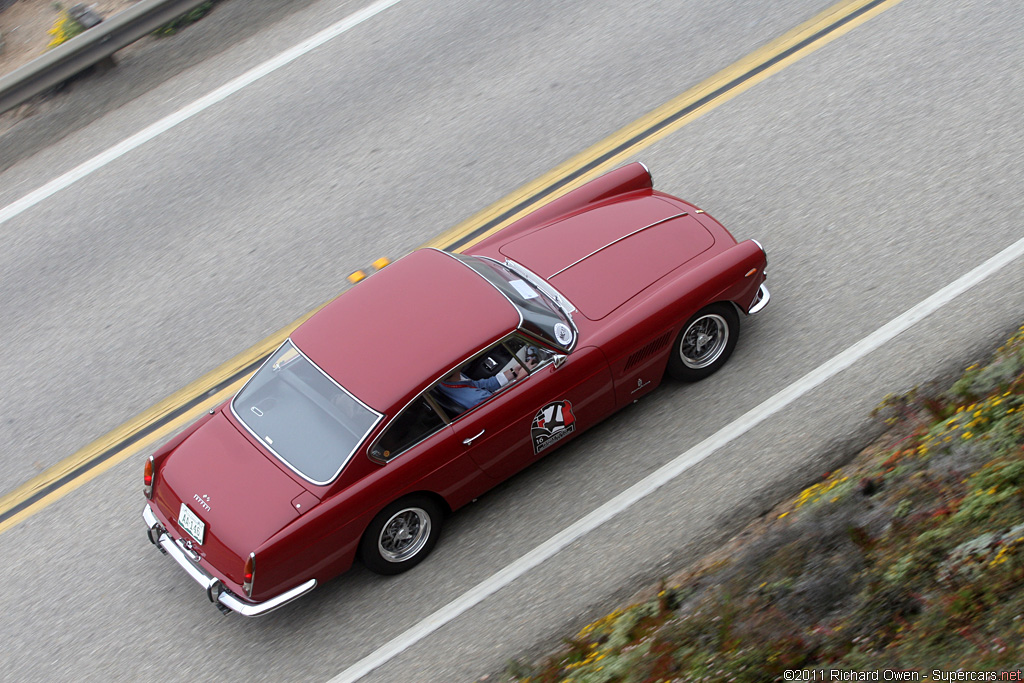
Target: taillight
(148,475)
(247,574)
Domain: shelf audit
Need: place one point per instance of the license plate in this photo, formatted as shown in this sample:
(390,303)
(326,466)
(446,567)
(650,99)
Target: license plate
(191,523)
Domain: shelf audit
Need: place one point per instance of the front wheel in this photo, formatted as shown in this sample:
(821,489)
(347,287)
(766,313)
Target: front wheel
(401,535)
(705,343)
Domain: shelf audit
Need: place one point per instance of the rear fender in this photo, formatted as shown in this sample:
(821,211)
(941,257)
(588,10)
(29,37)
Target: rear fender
(323,542)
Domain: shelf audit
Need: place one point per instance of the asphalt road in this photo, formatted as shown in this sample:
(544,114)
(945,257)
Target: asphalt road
(875,171)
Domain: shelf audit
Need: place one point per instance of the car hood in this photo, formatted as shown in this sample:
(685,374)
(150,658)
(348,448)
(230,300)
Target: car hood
(242,497)
(601,258)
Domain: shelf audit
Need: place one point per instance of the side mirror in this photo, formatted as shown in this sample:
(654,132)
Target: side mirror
(558,359)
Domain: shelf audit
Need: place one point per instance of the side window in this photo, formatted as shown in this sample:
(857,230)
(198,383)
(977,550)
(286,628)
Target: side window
(475,381)
(418,421)
(528,354)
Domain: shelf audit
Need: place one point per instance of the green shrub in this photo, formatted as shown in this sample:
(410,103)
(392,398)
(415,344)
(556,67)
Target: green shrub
(191,17)
(64,28)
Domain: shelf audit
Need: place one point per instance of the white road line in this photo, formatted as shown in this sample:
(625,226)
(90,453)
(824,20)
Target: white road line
(680,464)
(163,125)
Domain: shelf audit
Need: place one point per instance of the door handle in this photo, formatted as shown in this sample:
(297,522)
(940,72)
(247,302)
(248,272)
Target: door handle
(470,440)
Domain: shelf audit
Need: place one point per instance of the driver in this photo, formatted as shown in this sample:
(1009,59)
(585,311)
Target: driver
(468,393)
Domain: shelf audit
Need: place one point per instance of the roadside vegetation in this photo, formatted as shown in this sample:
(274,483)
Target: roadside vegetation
(65,27)
(187,19)
(909,558)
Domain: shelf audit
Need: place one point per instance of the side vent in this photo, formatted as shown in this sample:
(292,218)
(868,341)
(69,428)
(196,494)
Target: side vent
(648,351)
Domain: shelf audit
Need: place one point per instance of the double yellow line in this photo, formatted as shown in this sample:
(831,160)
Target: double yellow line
(177,410)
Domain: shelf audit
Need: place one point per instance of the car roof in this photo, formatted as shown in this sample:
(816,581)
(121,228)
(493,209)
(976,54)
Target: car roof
(393,333)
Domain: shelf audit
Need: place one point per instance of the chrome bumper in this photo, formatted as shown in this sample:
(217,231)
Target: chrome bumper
(760,301)
(215,590)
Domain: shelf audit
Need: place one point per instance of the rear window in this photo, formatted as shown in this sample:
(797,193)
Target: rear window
(302,416)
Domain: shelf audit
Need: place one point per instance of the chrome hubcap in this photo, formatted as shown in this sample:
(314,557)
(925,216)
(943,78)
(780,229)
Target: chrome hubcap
(704,341)
(404,535)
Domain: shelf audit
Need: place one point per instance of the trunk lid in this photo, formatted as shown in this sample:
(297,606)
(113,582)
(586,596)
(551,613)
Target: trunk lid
(238,494)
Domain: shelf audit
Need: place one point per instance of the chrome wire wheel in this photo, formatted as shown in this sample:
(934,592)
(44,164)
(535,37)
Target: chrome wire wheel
(404,535)
(704,341)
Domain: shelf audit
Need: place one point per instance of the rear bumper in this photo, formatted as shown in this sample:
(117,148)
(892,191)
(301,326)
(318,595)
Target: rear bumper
(760,301)
(215,590)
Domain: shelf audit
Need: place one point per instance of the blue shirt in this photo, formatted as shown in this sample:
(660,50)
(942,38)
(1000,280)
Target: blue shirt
(470,392)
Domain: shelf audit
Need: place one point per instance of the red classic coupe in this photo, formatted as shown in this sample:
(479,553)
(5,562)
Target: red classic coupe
(437,378)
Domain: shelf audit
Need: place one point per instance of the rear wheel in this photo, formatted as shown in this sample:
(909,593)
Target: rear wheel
(401,535)
(705,343)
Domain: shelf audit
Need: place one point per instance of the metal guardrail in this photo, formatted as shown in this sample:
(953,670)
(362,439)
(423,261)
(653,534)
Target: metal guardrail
(88,48)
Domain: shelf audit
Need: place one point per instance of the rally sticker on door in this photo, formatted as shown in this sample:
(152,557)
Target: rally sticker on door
(552,423)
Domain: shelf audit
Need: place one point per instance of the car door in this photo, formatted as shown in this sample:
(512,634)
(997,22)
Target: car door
(536,414)
(419,451)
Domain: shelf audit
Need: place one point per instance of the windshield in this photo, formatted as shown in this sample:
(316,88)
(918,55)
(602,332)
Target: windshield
(545,315)
(302,416)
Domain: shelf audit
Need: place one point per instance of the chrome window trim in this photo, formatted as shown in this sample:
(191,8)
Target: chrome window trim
(619,239)
(267,446)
